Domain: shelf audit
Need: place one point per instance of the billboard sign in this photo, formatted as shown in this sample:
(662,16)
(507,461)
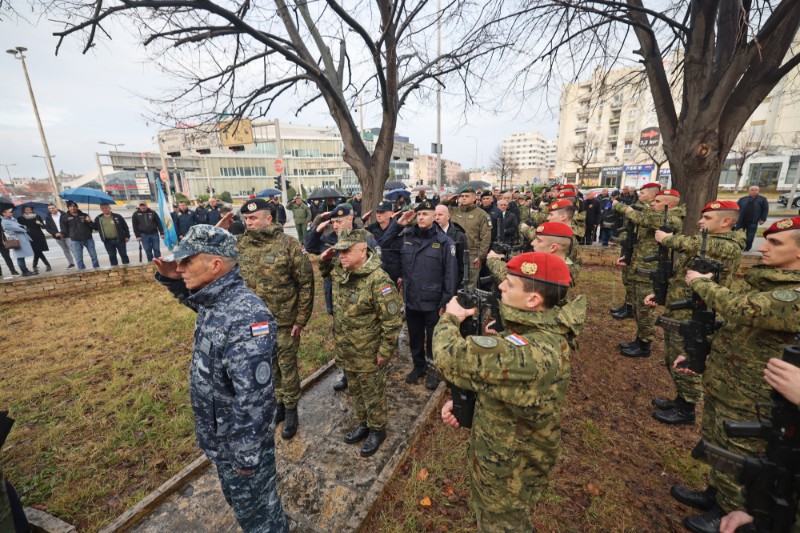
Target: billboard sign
(650,137)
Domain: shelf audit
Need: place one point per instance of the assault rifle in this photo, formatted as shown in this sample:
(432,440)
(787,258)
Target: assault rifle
(482,301)
(696,331)
(629,242)
(770,480)
(660,276)
(507,250)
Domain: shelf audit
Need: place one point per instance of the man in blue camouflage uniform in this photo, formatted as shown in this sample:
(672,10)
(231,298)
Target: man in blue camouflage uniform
(230,379)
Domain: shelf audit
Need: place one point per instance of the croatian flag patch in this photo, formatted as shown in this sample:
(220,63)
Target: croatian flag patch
(261,328)
(516,340)
(386,290)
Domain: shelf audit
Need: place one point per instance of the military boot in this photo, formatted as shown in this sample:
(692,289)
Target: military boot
(619,309)
(626,345)
(663,403)
(640,349)
(373,442)
(358,434)
(290,426)
(627,312)
(682,413)
(707,522)
(280,413)
(699,499)
(341,384)
(431,382)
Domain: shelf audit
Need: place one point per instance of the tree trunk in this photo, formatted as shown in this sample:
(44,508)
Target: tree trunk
(739,175)
(698,185)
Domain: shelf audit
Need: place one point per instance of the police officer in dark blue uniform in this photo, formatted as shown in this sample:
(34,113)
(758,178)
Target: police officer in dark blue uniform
(387,240)
(429,270)
(230,378)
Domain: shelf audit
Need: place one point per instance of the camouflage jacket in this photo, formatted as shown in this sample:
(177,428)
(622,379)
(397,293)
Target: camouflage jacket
(528,234)
(230,378)
(477,226)
(366,313)
(524,212)
(275,266)
(579,225)
(301,213)
(647,222)
(757,325)
(723,247)
(521,377)
(499,269)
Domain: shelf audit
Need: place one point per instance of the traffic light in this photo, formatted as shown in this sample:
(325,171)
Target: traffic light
(278,182)
(172,190)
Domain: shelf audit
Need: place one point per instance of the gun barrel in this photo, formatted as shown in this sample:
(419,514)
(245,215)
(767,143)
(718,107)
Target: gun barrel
(746,430)
(669,324)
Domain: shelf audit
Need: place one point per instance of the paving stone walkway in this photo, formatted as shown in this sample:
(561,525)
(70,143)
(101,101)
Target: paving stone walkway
(325,485)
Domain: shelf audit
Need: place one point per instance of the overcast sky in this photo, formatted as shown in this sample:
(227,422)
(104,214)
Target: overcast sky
(84,99)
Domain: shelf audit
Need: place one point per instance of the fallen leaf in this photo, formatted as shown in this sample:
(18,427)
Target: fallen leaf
(592,488)
(448,490)
(422,475)
(425,502)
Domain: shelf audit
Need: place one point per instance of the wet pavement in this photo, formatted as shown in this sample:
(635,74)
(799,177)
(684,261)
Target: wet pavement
(325,485)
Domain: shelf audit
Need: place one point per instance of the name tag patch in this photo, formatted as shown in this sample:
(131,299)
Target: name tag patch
(259,329)
(436,245)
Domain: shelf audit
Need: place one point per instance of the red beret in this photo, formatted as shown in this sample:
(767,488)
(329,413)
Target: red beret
(651,185)
(560,204)
(721,205)
(540,266)
(782,225)
(566,194)
(554,229)
(669,192)
(571,186)
(558,187)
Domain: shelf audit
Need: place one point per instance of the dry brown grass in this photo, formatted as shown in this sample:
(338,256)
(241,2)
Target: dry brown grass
(98,385)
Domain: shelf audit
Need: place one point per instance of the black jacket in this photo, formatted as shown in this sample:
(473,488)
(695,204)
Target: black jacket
(50,224)
(429,268)
(184,220)
(77,227)
(760,210)
(593,212)
(201,215)
(122,227)
(508,227)
(280,213)
(494,214)
(38,240)
(212,216)
(389,241)
(456,233)
(147,222)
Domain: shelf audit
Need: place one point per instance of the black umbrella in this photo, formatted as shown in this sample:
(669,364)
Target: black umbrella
(394,185)
(325,192)
(5,203)
(477,184)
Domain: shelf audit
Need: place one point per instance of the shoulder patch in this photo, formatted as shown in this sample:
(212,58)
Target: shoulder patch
(258,329)
(516,340)
(392,308)
(387,290)
(262,373)
(453,251)
(785,296)
(484,342)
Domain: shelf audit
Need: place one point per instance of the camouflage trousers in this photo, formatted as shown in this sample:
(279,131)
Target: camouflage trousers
(645,316)
(628,283)
(715,412)
(508,469)
(367,391)
(689,386)
(284,368)
(474,273)
(254,498)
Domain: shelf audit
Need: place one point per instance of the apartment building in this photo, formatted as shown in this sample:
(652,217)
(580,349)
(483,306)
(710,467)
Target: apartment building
(531,155)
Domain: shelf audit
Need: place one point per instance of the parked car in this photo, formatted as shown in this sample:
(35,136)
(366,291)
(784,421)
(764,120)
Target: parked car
(783,199)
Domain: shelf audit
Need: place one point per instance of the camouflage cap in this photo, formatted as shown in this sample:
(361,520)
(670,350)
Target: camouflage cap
(205,239)
(427,205)
(349,237)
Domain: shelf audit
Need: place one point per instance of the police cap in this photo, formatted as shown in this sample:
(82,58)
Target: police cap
(205,239)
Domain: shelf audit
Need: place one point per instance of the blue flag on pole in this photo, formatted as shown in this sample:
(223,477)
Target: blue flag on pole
(164,211)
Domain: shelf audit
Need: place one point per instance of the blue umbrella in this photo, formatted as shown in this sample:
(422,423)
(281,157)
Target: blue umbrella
(268,192)
(393,195)
(40,208)
(87,195)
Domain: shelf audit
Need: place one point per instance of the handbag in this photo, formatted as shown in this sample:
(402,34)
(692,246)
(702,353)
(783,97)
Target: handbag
(10,244)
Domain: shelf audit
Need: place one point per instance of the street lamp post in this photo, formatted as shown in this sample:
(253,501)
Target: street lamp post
(19,53)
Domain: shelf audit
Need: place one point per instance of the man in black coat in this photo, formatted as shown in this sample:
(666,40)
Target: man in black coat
(429,271)
(77,226)
(487,204)
(753,212)
(456,233)
(279,210)
(114,233)
(52,224)
(390,246)
(148,229)
(508,223)
(592,206)
(184,218)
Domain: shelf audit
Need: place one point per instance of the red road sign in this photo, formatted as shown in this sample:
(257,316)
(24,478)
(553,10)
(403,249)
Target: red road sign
(278,166)
(164,175)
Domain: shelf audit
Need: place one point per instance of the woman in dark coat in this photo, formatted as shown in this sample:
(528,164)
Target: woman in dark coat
(34,224)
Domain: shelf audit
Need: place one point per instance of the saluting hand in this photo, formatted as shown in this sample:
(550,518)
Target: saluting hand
(322,225)
(406,218)
(226,220)
(327,255)
(166,269)
(366,215)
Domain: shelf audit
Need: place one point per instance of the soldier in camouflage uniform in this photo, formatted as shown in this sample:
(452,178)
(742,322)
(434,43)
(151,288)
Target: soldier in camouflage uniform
(647,222)
(366,325)
(578,220)
(230,379)
(521,379)
(275,266)
(723,245)
(478,228)
(758,322)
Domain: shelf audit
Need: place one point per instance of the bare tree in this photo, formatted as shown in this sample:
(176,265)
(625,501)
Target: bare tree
(654,153)
(460,179)
(584,151)
(749,143)
(708,65)
(240,57)
(504,165)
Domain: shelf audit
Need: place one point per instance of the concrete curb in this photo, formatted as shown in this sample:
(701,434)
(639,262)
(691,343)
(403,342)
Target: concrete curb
(42,522)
